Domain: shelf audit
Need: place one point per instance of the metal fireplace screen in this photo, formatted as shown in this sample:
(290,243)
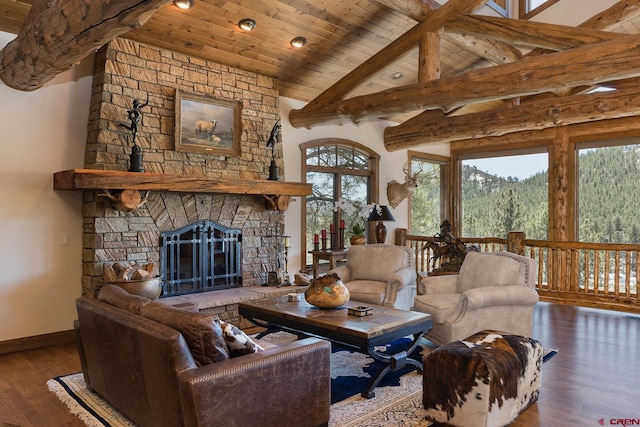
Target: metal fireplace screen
(200,257)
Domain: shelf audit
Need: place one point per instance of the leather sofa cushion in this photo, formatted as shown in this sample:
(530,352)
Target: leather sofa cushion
(373,262)
(118,297)
(484,269)
(201,331)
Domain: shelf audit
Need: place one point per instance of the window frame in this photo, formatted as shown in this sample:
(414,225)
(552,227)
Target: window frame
(445,189)
(459,157)
(371,172)
(525,13)
(504,11)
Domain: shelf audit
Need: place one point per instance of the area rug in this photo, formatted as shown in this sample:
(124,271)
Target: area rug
(392,406)
(397,401)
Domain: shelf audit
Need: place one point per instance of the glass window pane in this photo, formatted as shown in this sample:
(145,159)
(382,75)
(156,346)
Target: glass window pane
(360,161)
(345,157)
(312,156)
(319,206)
(502,194)
(426,198)
(608,197)
(355,189)
(328,155)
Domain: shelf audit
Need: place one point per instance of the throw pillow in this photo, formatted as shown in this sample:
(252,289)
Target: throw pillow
(237,341)
(118,297)
(486,269)
(201,331)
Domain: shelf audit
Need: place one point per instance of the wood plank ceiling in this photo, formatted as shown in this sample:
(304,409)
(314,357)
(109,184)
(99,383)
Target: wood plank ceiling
(449,59)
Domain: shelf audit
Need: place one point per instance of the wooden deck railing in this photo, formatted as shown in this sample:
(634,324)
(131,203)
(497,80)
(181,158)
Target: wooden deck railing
(601,275)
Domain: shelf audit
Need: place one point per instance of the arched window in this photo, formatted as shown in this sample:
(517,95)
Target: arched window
(338,169)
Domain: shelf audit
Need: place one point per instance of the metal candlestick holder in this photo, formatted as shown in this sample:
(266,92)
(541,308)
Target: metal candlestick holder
(287,280)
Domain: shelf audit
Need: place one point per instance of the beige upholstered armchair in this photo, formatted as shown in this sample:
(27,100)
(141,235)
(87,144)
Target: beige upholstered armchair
(380,274)
(492,291)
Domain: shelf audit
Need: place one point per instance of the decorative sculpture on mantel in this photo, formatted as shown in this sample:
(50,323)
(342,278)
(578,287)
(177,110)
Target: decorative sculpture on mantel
(135,116)
(273,139)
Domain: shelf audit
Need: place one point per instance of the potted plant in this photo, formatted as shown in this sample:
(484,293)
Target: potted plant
(358,216)
(357,234)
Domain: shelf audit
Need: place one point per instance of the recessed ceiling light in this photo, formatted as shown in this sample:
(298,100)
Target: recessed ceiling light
(183,4)
(397,75)
(247,24)
(298,42)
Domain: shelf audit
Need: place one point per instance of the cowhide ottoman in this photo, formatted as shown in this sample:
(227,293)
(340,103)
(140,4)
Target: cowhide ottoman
(484,380)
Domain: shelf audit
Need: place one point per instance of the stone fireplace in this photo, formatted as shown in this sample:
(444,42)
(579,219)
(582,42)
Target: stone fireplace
(125,70)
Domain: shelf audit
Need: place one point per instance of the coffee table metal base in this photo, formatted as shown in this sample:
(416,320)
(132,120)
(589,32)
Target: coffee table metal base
(393,362)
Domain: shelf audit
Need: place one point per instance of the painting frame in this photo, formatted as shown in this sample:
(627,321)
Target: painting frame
(206,124)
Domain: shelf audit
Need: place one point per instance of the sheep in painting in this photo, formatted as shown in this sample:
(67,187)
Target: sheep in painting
(205,127)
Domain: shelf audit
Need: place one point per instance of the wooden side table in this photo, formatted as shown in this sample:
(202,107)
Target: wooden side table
(332,255)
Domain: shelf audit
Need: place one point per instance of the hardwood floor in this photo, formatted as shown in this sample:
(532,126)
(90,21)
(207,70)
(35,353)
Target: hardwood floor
(594,376)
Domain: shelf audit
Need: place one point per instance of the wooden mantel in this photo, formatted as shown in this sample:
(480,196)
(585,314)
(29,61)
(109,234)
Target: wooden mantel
(276,193)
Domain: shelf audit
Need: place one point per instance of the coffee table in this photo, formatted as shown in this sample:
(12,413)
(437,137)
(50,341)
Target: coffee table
(362,334)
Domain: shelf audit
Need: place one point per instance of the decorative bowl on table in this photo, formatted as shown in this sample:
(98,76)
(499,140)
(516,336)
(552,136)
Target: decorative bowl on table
(327,291)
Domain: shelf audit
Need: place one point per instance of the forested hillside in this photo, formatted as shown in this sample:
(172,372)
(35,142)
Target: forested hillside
(608,199)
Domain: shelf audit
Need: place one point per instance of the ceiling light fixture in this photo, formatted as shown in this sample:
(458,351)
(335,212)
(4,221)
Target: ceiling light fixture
(184,4)
(397,75)
(298,42)
(247,24)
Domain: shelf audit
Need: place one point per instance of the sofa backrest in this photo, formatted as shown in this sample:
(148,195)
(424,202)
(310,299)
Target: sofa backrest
(377,261)
(132,361)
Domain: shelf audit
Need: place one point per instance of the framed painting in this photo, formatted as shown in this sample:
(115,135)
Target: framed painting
(207,125)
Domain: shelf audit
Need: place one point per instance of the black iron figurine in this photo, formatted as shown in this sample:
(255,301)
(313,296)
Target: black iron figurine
(273,139)
(135,115)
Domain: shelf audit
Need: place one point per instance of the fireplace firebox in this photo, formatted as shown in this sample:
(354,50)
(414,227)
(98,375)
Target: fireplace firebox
(200,257)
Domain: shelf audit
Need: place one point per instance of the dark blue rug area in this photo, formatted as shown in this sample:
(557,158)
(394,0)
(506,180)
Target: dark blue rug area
(352,372)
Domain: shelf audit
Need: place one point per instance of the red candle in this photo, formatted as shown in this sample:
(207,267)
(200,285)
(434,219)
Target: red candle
(316,238)
(324,234)
(332,228)
(342,223)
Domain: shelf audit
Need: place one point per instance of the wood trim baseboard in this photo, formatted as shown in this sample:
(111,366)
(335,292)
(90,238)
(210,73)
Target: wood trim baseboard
(37,341)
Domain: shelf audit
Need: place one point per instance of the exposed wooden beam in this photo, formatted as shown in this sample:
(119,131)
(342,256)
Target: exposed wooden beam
(386,56)
(533,34)
(622,11)
(58,34)
(532,116)
(429,54)
(494,51)
(586,65)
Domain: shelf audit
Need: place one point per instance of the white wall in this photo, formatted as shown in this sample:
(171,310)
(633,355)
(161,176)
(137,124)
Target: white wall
(367,133)
(43,132)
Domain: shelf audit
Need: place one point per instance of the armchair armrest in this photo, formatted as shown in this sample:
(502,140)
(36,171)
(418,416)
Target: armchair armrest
(431,285)
(342,271)
(260,386)
(401,278)
(499,295)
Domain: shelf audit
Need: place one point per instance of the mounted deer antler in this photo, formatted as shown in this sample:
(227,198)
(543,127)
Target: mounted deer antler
(397,192)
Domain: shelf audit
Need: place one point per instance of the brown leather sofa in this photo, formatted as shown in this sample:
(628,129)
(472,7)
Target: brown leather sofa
(147,371)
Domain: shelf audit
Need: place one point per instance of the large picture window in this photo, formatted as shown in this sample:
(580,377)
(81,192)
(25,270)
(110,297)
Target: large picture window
(428,202)
(608,199)
(338,169)
(508,193)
